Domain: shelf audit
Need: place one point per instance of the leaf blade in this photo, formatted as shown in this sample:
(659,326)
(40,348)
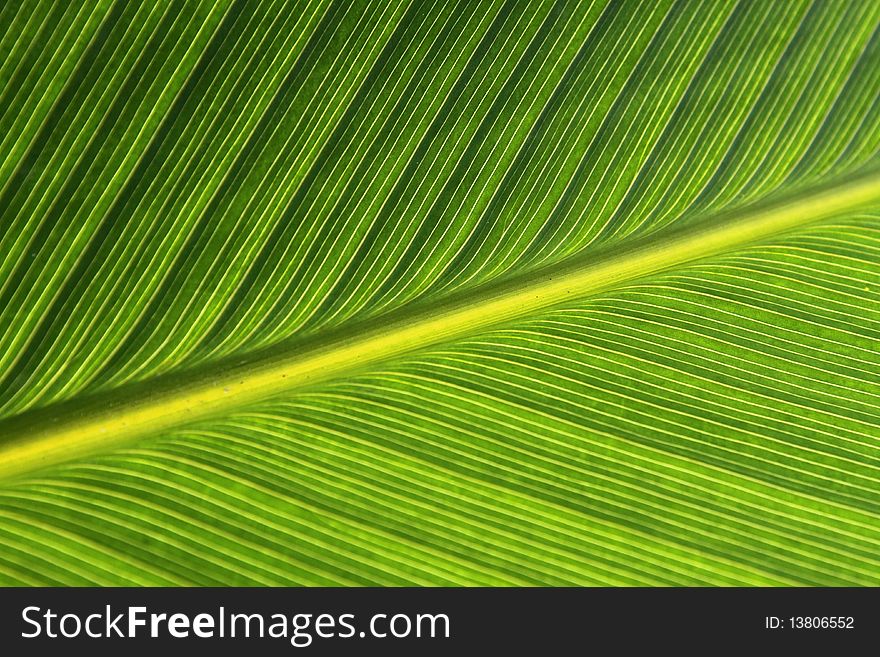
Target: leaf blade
(280,176)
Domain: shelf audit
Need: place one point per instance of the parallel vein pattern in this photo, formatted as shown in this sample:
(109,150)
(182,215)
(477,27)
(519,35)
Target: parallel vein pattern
(183,184)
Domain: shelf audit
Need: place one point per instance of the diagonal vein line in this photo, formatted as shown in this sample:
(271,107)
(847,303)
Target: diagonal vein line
(81,427)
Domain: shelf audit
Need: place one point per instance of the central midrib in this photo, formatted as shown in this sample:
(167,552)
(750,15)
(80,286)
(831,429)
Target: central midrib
(69,431)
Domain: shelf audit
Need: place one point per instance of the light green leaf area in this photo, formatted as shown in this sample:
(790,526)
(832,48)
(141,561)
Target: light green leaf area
(498,293)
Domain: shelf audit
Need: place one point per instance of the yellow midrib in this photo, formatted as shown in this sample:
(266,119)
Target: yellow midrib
(73,434)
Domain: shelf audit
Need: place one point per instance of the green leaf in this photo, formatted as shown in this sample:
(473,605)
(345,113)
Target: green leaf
(358,293)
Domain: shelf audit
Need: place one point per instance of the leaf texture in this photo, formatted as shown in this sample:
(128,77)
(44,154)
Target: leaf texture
(195,190)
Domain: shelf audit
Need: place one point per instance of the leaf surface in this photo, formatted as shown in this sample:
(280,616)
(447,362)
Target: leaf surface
(440,293)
